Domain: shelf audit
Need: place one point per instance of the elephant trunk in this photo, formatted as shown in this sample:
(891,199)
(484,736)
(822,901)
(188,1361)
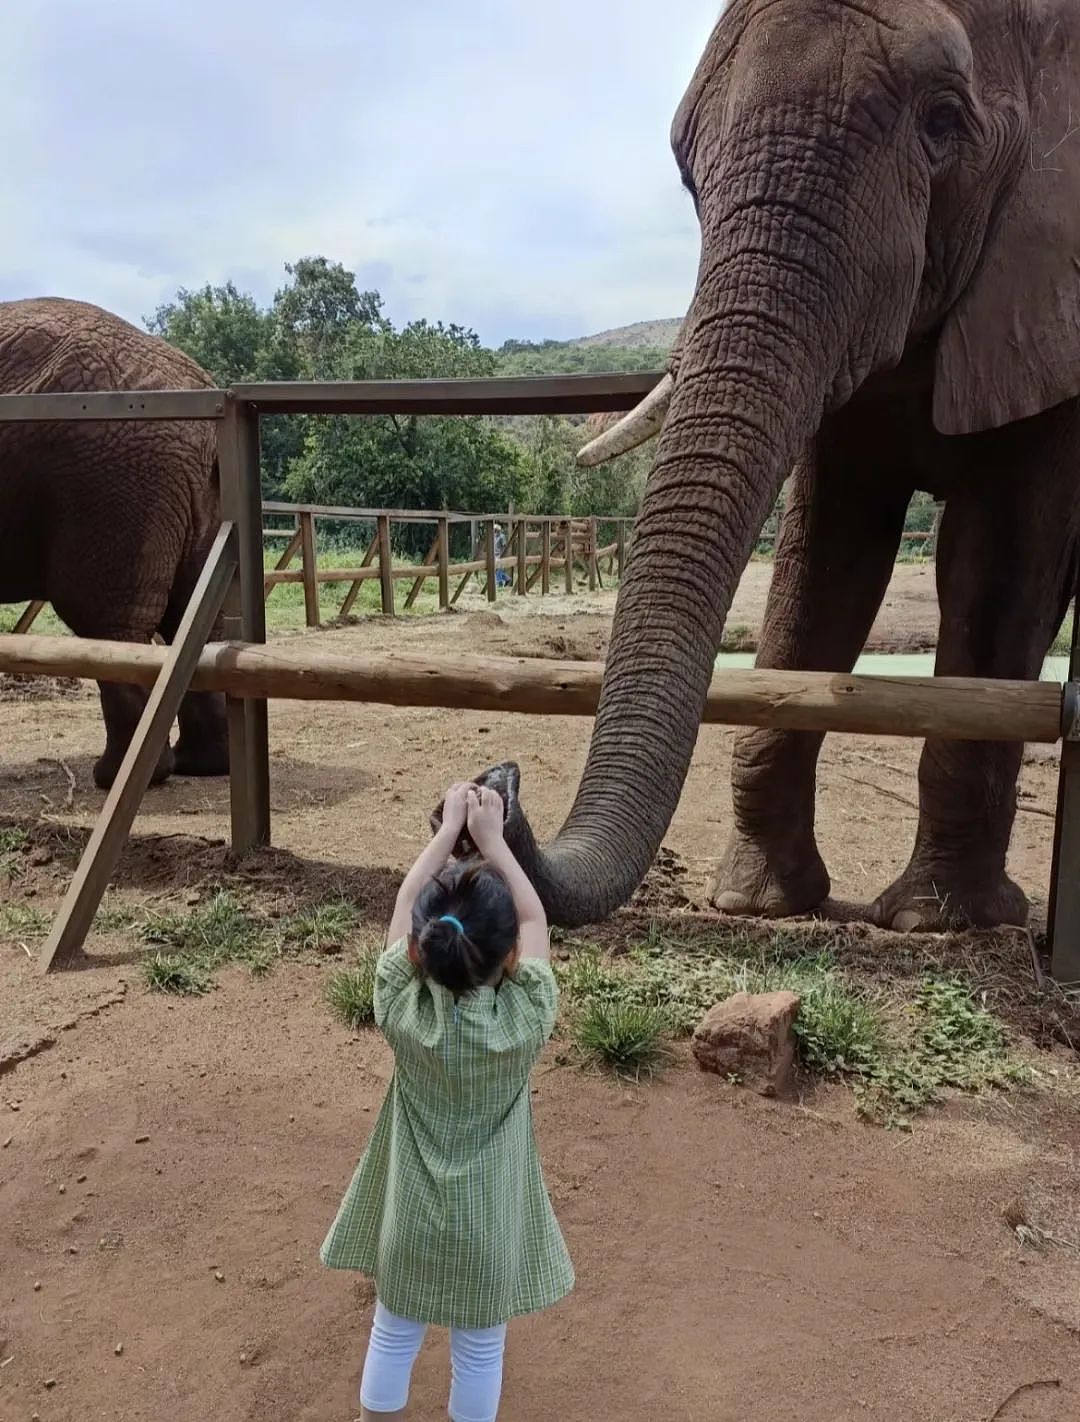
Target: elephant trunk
(749,393)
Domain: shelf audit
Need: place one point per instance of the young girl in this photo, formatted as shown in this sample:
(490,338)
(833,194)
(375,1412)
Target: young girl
(447,1211)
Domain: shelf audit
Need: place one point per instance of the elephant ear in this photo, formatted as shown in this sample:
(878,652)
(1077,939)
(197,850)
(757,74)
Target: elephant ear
(1010,347)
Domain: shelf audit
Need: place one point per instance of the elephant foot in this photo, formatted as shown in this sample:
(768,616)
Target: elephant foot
(107,767)
(929,901)
(756,880)
(200,760)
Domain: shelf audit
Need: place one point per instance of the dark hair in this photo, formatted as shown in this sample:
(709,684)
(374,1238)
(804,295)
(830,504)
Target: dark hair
(478,899)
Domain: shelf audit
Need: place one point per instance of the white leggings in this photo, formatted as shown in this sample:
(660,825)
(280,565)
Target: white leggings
(476,1361)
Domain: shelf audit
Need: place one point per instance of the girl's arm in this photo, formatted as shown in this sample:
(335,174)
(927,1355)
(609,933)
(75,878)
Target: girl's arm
(485,809)
(434,857)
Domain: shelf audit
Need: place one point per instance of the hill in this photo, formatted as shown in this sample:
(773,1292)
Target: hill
(656,335)
(641,346)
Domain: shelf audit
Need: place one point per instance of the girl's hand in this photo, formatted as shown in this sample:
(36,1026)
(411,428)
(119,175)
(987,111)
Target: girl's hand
(485,817)
(456,808)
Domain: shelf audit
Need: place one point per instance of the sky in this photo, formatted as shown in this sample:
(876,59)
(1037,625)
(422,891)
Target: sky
(502,164)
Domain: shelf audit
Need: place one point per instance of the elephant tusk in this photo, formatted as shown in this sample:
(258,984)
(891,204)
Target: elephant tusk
(635,427)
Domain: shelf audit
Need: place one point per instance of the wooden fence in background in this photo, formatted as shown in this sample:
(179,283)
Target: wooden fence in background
(536,546)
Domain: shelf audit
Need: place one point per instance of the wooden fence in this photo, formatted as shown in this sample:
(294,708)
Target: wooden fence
(536,546)
(544,538)
(233,586)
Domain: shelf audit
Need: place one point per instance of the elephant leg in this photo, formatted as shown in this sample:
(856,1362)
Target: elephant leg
(202,747)
(121,707)
(203,744)
(1007,567)
(834,557)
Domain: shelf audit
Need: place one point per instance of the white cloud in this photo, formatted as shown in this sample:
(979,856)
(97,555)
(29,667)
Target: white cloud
(499,163)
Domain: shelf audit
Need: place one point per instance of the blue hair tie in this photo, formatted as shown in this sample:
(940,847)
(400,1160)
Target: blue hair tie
(449,918)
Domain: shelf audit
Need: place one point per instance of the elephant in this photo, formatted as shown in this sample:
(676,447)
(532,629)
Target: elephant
(887,298)
(110,522)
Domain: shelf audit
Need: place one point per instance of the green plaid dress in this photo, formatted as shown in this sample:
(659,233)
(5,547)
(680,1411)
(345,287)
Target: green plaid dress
(447,1210)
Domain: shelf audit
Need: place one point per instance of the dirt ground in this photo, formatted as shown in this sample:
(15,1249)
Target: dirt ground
(736,1259)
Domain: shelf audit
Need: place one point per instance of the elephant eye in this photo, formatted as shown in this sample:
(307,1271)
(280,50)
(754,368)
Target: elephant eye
(944,120)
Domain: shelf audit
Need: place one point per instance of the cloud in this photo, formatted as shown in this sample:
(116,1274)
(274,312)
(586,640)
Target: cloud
(493,162)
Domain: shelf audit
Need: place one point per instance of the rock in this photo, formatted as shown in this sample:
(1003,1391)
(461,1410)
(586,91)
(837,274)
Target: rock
(40,857)
(750,1039)
(141,1140)
(118,1350)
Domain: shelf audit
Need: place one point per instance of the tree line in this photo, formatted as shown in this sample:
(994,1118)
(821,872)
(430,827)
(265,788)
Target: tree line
(320,326)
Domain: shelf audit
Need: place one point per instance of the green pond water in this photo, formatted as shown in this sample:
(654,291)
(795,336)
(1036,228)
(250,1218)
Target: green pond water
(886,664)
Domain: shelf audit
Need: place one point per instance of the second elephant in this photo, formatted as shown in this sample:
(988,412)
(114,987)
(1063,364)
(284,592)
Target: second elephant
(109,522)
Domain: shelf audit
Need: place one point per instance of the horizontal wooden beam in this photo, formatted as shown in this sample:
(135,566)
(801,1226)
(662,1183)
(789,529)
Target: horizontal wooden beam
(951,708)
(497,395)
(115,405)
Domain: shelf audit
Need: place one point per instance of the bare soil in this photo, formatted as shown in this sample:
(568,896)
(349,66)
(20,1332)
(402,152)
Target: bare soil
(737,1259)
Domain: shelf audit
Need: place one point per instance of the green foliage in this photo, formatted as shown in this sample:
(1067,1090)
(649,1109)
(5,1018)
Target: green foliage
(1063,641)
(350,993)
(899,1056)
(23,921)
(322,928)
(573,358)
(221,931)
(13,844)
(627,1038)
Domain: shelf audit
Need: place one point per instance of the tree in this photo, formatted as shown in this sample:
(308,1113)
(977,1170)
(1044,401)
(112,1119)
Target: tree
(392,461)
(223,330)
(318,311)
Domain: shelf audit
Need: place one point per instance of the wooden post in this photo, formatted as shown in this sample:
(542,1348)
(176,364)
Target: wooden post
(443,541)
(429,562)
(351,595)
(245,620)
(545,556)
(311,581)
(29,616)
(386,576)
(568,556)
(522,557)
(103,849)
(593,569)
(286,558)
(489,555)
(1063,916)
(620,540)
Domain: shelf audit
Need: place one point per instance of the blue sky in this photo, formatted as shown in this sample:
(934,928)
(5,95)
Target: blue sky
(498,163)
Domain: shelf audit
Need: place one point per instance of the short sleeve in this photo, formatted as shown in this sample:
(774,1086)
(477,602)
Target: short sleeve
(534,987)
(393,974)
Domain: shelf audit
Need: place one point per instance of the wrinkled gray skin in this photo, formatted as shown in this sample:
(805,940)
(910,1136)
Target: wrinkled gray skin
(109,522)
(888,299)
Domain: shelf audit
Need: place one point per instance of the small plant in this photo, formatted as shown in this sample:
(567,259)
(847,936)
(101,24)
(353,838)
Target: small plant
(350,992)
(210,936)
(320,928)
(13,844)
(22,921)
(114,918)
(628,1038)
(173,973)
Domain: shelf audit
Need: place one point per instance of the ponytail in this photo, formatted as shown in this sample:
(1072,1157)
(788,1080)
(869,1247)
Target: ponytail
(464,926)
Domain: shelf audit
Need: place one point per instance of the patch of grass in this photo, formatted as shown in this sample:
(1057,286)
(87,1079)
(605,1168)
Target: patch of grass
(23,921)
(13,844)
(900,1056)
(115,918)
(213,934)
(1063,641)
(174,973)
(631,1039)
(350,992)
(321,928)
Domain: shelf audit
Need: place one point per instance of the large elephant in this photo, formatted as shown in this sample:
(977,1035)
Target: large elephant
(888,298)
(109,522)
